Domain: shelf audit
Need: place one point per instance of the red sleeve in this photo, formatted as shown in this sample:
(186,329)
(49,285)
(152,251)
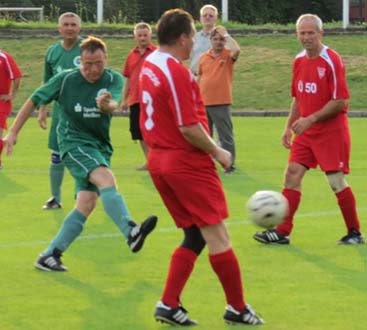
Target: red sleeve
(338,87)
(294,87)
(184,98)
(126,72)
(14,69)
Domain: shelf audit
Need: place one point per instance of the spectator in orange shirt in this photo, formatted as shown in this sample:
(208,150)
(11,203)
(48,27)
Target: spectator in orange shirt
(215,81)
(130,93)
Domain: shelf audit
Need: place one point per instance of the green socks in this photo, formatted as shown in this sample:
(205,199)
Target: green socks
(70,230)
(56,177)
(115,206)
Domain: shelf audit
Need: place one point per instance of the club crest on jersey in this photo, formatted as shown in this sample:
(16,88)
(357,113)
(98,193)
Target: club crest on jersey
(78,107)
(76,61)
(101,91)
(321,72)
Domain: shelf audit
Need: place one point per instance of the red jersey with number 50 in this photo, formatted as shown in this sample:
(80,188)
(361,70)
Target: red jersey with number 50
(317,81)
(169,98)
(9,71)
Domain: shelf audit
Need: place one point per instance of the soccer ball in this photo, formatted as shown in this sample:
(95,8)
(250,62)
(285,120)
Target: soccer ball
(267,208)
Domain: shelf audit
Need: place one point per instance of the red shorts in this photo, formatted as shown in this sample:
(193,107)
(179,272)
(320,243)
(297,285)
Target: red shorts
(3,120)
(5,109)
(330,151)
(189,186)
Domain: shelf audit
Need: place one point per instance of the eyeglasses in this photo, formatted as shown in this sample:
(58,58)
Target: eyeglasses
(207,15)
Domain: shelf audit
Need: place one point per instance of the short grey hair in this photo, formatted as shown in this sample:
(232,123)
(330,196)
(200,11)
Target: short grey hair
(209,7)
(141,26)
(313,17)
(69,14)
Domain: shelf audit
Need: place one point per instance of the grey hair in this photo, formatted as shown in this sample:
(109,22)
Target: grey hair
(313,17)
(69,14)
(209,7)
(142,25)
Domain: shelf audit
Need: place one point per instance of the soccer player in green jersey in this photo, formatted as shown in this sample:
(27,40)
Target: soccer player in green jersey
(64,54)
(87,97)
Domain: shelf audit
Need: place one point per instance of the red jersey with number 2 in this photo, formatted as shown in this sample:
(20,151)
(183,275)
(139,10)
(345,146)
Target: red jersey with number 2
(317,81)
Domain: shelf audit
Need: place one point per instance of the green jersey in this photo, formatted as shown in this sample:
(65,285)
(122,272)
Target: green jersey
(57,60)
(80,122)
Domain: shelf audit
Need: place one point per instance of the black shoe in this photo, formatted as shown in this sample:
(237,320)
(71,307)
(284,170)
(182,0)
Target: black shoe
(51,263)
(353,237)
(248,316)
(140,232)
(52,204)
(271,237)
(230,170)
(173,316)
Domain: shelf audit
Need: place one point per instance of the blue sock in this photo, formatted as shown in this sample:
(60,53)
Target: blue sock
(70,230)
(116,208)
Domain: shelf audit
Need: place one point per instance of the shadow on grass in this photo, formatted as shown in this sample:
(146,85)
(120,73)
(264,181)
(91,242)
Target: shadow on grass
(357,280)
(9,186)
(109,308)
(242,183)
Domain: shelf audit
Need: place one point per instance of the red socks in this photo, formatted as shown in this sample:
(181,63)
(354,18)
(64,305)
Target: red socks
(1,147)
(347,204)
(226,267)
(294,198)
(181,266)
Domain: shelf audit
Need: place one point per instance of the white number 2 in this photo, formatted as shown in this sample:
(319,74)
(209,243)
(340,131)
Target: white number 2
(147,99)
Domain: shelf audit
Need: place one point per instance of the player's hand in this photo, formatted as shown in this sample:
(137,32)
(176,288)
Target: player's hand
(5,97)
(221,31)
(9,141)
(124,106)
(223,157)
(42,118)
(287,138)
(103,102)
(302,124)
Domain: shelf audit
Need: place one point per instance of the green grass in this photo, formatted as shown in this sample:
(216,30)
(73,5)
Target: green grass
(313,284)
(262,74)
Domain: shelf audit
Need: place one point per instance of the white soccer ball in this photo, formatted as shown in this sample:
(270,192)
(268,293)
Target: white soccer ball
(267,208)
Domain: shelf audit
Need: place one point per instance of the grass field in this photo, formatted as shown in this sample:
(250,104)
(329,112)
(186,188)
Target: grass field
(313,284)
(262,73)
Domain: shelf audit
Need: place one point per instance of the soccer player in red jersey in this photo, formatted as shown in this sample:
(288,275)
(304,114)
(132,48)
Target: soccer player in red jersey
(10,76)
(131,71)
(180,161)
(318,119)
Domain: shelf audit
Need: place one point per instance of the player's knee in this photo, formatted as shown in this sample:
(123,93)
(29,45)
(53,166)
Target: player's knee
(55,158)
(337,181)
(293,177)
(86,202)
(193,240)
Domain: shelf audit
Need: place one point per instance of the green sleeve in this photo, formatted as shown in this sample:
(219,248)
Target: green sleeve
(49,91)
(116,87)
(47,72)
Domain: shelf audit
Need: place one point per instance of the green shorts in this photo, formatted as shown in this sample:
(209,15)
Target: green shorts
(83,160)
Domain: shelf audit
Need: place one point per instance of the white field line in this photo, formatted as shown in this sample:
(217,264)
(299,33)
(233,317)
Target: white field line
(4,245)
